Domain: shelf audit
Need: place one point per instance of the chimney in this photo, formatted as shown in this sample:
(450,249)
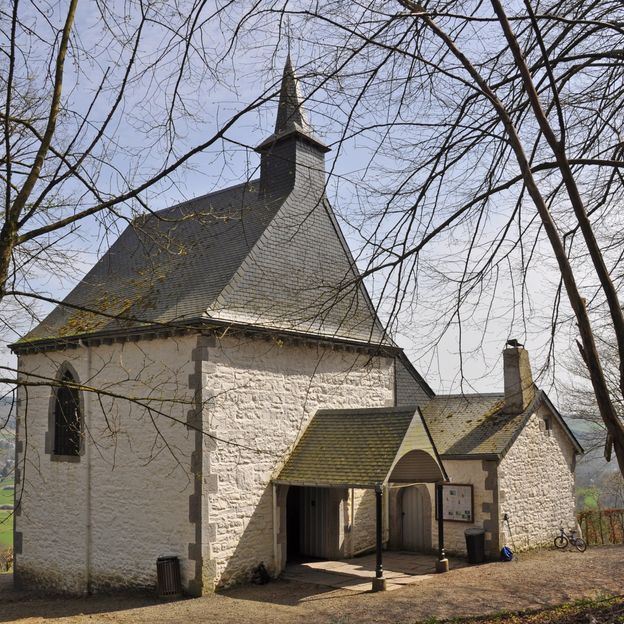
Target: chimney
(519,388)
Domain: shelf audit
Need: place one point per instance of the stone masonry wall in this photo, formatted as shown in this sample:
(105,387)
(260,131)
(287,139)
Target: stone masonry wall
(482,476)
(536,484)
(364,521)
(263,394)
(102,521)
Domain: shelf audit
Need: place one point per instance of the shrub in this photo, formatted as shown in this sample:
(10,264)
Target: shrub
(6,560)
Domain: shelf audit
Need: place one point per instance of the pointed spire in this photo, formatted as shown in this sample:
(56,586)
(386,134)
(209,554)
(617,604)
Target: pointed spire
(291,115)
(290,112)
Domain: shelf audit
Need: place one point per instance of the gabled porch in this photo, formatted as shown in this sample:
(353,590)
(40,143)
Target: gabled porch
(341,453)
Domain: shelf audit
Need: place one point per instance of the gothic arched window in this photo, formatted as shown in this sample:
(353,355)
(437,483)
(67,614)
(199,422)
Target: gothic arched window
(67,421)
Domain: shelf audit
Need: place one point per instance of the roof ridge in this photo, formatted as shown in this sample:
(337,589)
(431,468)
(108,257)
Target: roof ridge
(368,411)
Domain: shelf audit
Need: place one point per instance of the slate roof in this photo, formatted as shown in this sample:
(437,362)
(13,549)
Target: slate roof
(351,448)
(166,267)
(267,254)
(475,425)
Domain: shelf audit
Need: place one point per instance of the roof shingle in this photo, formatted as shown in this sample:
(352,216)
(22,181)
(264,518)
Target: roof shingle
(357,448)
(165,267)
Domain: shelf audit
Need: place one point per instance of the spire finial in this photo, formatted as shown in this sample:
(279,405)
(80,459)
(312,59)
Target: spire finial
(291,115)
(288,32)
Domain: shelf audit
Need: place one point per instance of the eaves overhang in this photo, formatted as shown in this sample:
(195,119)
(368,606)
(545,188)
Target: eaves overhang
(200,324)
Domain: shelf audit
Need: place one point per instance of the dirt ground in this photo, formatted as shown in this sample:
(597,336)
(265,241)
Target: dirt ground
(536,580)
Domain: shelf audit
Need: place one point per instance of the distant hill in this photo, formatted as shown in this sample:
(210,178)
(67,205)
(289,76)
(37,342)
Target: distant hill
(596,479)
(592,467)
(7,436)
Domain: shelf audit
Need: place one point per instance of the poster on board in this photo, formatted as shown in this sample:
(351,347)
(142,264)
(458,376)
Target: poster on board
(457,502)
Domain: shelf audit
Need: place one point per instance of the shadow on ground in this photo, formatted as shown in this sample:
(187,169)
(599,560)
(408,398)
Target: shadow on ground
(15,604)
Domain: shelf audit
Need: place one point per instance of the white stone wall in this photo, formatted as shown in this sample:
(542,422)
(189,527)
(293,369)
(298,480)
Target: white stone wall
(363,521)
(264,393)
(536,484)
(106,518)
(480,475)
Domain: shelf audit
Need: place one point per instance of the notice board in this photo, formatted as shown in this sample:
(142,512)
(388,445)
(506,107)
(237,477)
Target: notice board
(457,502)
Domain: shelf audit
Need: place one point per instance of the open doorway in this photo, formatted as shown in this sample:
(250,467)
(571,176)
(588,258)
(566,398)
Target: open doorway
(293,524)
(312,523)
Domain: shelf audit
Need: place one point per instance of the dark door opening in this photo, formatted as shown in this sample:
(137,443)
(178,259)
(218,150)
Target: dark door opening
(312,521)
(293,524)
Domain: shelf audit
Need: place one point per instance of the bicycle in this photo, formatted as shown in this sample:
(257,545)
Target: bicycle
(562,540)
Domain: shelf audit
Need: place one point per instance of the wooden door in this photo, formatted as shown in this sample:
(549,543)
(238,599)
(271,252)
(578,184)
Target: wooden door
(413,518)
(313,522)
(317,515)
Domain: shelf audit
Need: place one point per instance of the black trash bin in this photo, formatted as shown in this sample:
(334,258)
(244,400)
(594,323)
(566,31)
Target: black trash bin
(168,573)
(475,545)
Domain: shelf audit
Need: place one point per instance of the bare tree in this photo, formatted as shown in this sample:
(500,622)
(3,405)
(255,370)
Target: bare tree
(101,105)
(103,108)
(496,154)
(493,136)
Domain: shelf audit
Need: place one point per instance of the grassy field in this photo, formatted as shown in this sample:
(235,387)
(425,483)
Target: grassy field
(6,522)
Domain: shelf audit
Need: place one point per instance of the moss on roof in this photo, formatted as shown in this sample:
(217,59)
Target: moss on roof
(471,424)
(356,448)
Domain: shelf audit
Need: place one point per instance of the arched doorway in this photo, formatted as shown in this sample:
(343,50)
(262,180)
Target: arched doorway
(416,518)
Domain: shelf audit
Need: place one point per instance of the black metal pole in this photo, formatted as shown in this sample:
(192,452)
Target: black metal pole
(440,501)
(379,566)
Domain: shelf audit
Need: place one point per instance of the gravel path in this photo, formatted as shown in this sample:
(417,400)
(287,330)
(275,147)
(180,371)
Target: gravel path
(539,579)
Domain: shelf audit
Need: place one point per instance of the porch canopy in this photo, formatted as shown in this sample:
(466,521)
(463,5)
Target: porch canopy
(363,448)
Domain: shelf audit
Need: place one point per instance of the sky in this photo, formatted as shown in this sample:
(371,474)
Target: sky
(215,94)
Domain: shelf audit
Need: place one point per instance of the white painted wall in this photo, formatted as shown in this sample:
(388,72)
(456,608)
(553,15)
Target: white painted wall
(126,502)
(364,521)
(466,471)
(265,392)
(536,484)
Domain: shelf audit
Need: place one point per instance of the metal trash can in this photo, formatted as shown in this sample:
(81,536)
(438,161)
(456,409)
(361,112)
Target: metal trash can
(475,545)
(168,573)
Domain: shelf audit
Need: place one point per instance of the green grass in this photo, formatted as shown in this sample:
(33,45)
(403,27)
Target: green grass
(6,529)
(587,497)
(6,520)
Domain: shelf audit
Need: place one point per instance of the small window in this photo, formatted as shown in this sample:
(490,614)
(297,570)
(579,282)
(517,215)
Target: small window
(547,425)
(67,422)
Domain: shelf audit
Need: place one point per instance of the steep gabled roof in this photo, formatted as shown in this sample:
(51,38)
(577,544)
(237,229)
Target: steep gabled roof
(268,254)
(410,388)
(166,267)
(300,276)
(476,425)
(362,448)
